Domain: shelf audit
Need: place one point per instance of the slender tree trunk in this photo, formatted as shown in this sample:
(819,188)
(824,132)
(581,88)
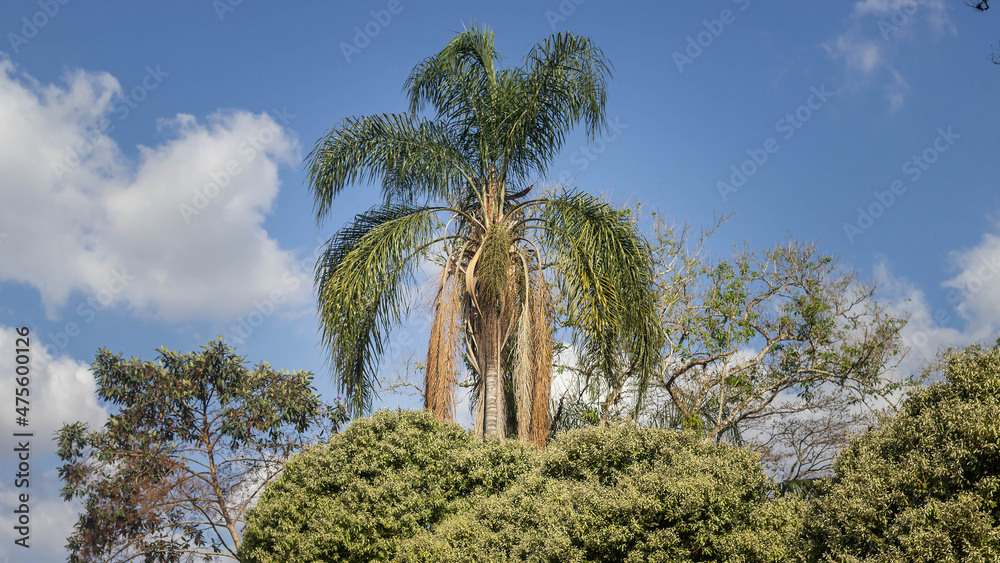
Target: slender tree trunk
(491,381)
(494,421)
(494,417)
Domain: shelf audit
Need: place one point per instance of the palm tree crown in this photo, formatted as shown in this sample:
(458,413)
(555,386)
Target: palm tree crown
(471,167)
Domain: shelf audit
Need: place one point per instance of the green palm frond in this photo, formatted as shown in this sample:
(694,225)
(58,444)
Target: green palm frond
(517,118)
(564,82)
(607,272)
(451,78)
(412,158)
(361,280)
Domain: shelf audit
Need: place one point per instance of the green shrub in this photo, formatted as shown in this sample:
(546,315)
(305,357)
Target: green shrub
(384,479)
(621,493)
(924,485)
(401,487)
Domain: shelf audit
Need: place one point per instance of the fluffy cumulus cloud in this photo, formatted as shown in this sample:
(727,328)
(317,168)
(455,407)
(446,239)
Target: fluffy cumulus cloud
(867,46)
(970,312)
(176,232)
(975,289)
(927,329)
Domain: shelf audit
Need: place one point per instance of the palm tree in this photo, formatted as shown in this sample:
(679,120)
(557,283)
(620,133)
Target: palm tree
(459,183)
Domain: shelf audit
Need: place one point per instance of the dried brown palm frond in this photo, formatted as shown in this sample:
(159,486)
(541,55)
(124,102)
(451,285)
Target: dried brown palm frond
(443,347)
(540,305)
(521,373)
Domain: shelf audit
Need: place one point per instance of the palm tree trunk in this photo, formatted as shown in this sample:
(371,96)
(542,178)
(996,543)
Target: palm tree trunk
(492,381)
(494,420)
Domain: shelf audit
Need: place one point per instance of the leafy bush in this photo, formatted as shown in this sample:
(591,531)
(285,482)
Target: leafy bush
(382,480)
(402,487)
(923,486)
(621,493)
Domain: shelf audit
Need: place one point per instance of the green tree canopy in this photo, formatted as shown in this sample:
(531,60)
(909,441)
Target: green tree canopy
(925,485)
(196,438)
(780,348)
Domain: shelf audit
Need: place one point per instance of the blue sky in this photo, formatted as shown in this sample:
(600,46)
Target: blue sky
(869,126)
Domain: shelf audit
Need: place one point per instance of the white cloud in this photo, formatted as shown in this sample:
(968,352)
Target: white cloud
(896,91)
(975,289)
(564,379)
(175,233)
(858,52)
(900,13)
(931,329)
(868,46)
(927,330)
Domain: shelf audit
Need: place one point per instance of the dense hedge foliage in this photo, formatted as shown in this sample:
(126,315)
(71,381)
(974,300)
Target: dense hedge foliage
(619,493)
(382,480)
(925,485)
(401,487)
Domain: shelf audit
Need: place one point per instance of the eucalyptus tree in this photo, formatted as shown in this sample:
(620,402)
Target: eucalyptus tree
(457,173)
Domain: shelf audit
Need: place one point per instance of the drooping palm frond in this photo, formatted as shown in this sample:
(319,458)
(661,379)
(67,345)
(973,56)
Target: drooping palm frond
(564,82)
(447,80)
(606,272)
(443,348)
(411,157)
(521,371)
(540,303)
(361,280)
